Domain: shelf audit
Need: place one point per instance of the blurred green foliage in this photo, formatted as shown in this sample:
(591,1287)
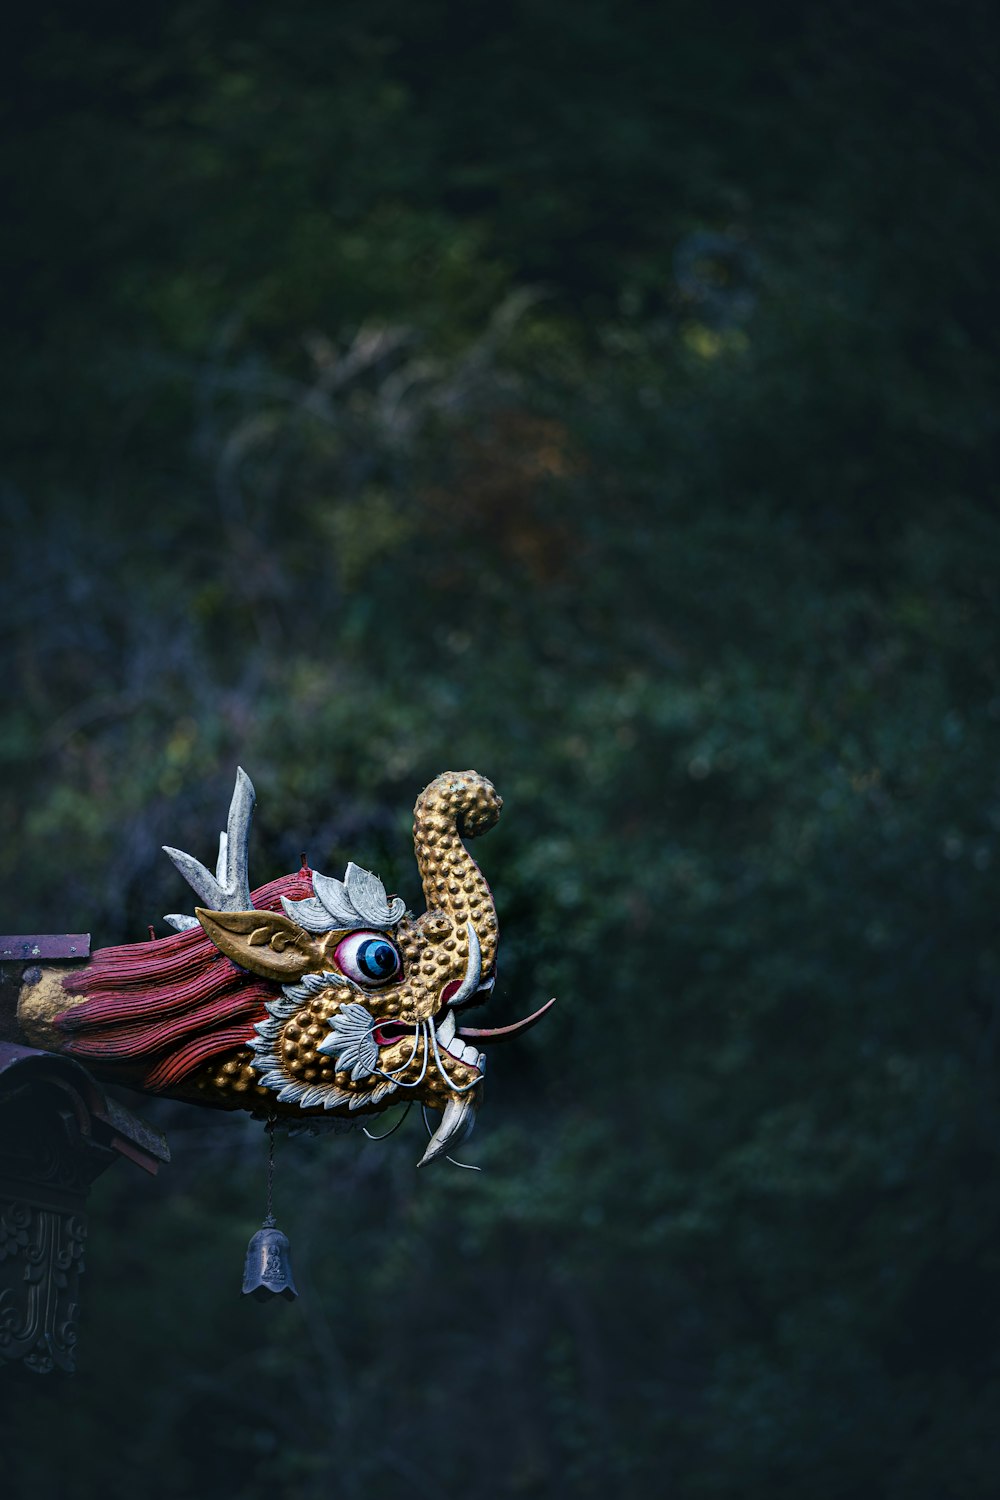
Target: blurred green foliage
(601,396)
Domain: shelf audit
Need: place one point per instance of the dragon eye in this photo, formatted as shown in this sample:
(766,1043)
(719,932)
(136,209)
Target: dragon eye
(368,958)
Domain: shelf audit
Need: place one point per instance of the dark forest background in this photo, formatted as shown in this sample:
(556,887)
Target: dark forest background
(602,395)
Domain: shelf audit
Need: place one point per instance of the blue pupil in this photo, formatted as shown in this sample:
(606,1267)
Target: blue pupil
(377,959)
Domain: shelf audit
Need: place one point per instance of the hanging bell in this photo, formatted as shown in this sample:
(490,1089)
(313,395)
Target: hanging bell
(268,1269)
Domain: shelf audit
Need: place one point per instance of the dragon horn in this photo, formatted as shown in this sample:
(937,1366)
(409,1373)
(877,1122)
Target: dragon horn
(229,888)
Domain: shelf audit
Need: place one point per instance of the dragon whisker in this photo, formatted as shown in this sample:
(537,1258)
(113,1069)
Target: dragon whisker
(395,1072)
(392,1129)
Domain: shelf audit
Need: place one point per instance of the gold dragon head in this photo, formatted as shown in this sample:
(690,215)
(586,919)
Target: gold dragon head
(371,1000)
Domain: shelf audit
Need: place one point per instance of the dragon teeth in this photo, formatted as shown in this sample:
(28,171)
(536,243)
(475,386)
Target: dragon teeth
(462,1051)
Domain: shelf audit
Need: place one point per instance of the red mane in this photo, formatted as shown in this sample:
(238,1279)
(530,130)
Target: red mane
(171,1004)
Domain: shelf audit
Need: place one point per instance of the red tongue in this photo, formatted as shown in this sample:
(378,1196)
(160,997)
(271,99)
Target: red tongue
(488,1034)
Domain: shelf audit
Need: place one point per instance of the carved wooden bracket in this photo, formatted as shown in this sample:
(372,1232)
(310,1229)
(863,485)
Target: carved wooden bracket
(59,1131)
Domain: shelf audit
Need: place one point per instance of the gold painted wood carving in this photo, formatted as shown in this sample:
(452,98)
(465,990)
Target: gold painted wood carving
(310,998)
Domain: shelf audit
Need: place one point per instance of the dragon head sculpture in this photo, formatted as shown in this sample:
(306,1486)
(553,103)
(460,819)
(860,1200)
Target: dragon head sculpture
(312,997)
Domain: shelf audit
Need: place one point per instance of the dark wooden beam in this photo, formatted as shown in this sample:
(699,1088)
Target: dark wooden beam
(41,947)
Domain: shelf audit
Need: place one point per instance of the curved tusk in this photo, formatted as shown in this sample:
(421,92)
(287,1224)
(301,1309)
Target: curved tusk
(456,1123)
(473,970)
(488,1034)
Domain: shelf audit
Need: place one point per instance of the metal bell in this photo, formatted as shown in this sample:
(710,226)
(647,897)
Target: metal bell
(268,1269)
